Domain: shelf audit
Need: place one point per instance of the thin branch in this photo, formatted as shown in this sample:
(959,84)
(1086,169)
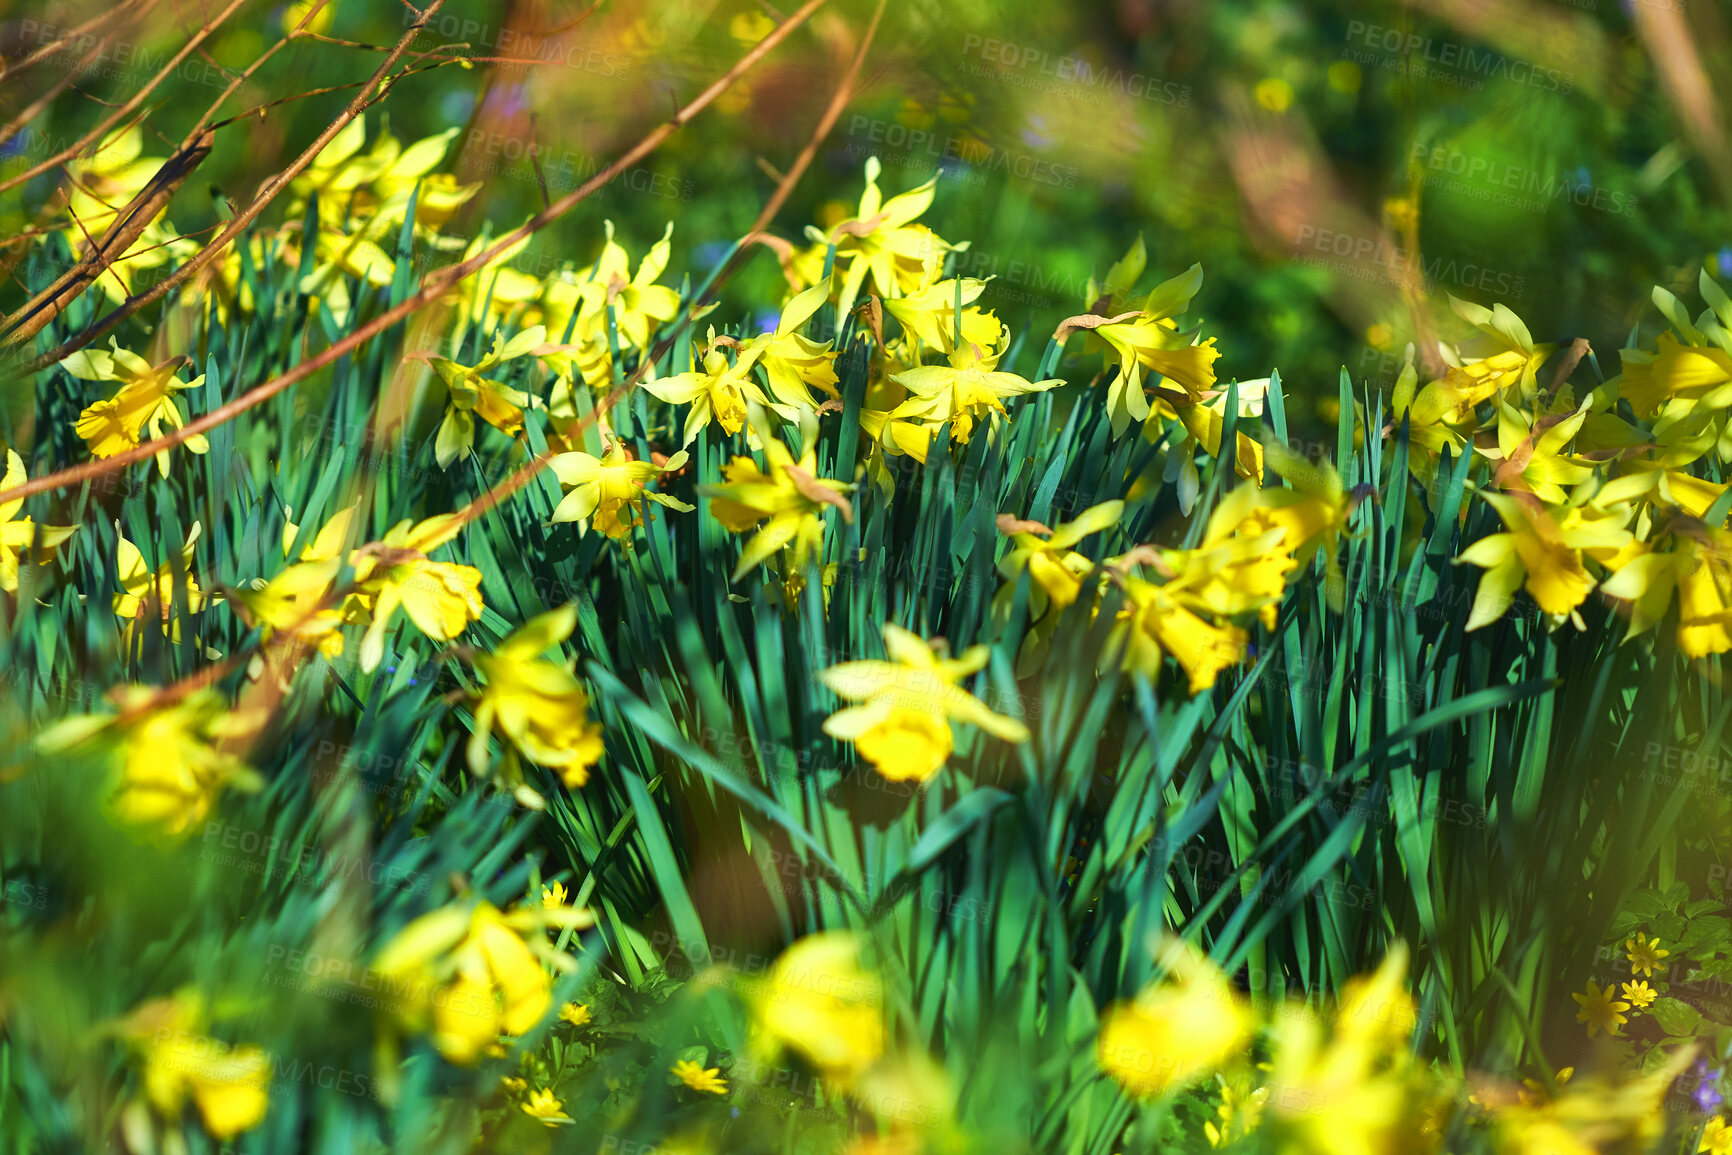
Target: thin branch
(374,92)
(35,108)
(119,114)
(54,47)
(433,285)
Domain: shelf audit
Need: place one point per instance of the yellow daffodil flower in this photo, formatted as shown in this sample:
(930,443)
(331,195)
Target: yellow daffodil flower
(1350,1090)
(819,1000)
(539,707)
(788,500)
(1536,552)
(719,391)
(794,365)
(1513,365)
(1055,570)
(969,388)
(1151,341)
(638,303)
(170,761)
(294,601)
(929,316)
(1155,620)
(881,242)
(19,535)
(142,406)
(103,183)
(470,975)
(1530,453)
(374,187)
(142,589)
(1174,1032)
(600,491)
(1696,567)
(474,394)
(1716,1137)
(441,598)
(903,724)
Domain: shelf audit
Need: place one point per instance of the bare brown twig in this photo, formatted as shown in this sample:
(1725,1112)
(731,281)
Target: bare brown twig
(125,110)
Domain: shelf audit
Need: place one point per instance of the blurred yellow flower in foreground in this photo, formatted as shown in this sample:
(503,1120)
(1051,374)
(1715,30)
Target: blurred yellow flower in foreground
(228,1084)
(902,726)
(539,708)
(169,761)
(473,974)
(820,1001)
(1175,1032)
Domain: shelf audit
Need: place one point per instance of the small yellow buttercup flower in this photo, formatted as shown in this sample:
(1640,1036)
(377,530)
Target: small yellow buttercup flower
(543,1106)
(1645,956)
(577,1014)
(553,895)
(1639,994)
(697,1078)
(1599,1011)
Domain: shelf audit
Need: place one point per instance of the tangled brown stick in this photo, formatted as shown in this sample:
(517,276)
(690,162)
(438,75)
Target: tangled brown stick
(434,285)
